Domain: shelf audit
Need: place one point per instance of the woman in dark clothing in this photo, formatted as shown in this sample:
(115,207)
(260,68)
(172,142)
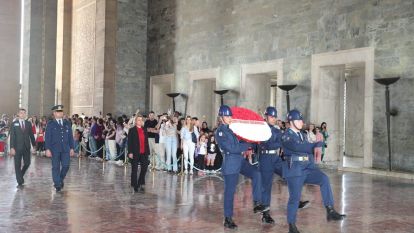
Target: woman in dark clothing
(204,128)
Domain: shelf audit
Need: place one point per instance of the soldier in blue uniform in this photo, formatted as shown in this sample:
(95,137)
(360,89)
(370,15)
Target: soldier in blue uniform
(299,168)
(270,162)
(59,146)
(233,164)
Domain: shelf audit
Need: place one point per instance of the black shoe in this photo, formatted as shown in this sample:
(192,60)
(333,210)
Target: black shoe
(62,184)
(293,229)
(228,223)
(20,186)
(266,218)
(259,208)
(331,214)
(135,189)
(304,204)
(58,189)
(141,189)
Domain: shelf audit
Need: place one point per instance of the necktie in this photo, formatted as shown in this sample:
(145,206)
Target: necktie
(60,122)
(300,136)
(22,123)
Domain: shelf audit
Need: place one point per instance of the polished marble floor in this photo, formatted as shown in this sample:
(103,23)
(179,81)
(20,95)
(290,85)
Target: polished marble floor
(353,162)
(97,198)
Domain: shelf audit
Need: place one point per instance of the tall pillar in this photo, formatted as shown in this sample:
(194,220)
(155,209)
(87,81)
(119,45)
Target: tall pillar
(9,55)
(93,48)
(131,86)
(63,52)
(39,51)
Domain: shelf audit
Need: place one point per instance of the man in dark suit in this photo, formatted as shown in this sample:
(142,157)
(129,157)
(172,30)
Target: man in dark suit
(59,146)
(21,139)
(138,151)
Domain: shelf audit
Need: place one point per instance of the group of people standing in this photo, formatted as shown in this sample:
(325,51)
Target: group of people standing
(288,154)
(318,134)
(171,136)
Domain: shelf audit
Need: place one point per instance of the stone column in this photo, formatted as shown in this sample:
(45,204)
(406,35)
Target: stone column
(39,55)
(93,52)
(63,52)
(9,56)
(131,56)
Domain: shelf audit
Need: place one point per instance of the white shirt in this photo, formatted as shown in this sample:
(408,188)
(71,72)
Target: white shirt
(60,121)
(203,148)
(311,136)
(22,123)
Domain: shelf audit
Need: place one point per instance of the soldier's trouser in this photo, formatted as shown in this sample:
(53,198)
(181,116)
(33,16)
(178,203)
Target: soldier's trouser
(60,167)
(267,179)
(295,184)
(19,170)
(231,181)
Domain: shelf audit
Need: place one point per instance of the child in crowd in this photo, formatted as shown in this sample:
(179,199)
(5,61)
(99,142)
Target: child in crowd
(85,136)
(76,141)
(40,139)
(3,140)
(202,152)
(212,149)
(318,150)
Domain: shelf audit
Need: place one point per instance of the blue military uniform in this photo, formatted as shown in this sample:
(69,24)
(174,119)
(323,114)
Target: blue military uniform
(233,164)
(299,168)
(269,162)
(59,140)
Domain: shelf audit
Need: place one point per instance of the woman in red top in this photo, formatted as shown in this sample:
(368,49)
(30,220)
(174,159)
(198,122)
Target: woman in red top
(138,151)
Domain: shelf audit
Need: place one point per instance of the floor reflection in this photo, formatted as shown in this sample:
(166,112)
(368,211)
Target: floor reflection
(353,162)
(98,198)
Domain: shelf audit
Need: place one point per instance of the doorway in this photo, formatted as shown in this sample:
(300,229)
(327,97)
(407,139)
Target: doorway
(203,103)
(341,96)
(261,91)
(259,85)
(353,116)
(160,85)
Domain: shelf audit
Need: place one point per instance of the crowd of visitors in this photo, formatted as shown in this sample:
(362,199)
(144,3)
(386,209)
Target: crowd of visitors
(171,138)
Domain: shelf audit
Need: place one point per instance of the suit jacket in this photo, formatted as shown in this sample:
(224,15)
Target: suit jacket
(21,139)
(134,144)
(59,138)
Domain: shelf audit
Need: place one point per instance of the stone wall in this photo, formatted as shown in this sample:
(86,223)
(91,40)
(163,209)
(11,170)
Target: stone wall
(190,35)
(131,55)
